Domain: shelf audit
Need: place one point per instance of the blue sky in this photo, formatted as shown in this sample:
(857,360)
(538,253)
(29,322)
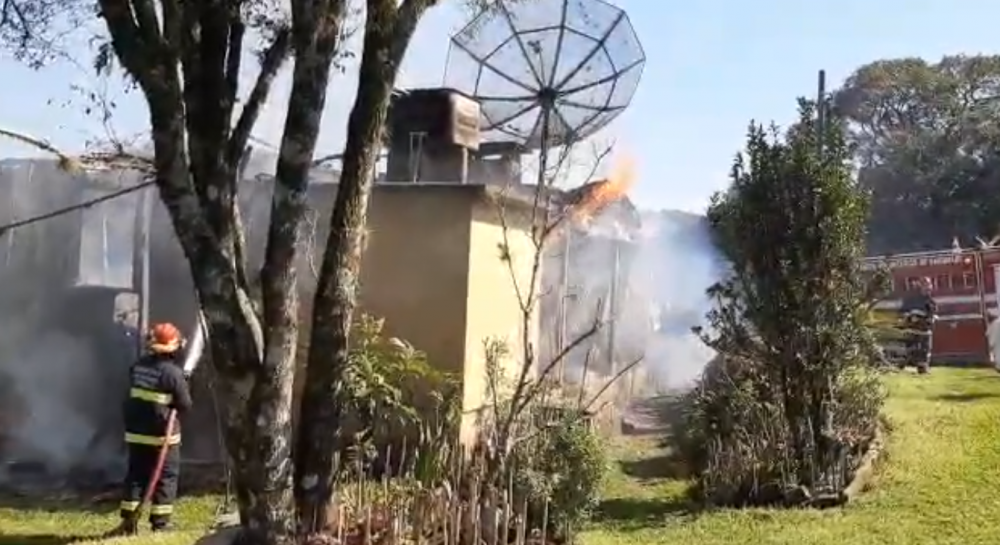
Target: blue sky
(711,67)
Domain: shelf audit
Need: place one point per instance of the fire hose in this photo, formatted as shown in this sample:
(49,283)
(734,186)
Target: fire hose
(193,353)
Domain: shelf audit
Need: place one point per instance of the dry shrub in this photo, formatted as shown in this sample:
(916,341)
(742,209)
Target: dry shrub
(546,491)
(737,441)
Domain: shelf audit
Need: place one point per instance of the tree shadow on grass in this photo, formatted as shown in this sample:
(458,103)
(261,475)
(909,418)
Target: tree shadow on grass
(42,539)
(624,513)
(966,397)
(664,466)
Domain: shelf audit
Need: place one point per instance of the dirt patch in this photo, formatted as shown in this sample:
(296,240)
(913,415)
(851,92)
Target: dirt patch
(659,415)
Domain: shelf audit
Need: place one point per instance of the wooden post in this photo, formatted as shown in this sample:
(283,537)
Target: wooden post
(613,304)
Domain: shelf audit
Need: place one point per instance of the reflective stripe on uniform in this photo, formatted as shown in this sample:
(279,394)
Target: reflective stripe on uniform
(151,396)
(129,505)
(151,440)
(161,510)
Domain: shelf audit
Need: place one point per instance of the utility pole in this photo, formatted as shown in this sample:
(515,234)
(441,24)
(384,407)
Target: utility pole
(563,308)
(821,112)
(143,219)
(613,305)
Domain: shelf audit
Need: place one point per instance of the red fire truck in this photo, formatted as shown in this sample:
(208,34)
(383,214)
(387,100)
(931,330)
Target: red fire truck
(965,289)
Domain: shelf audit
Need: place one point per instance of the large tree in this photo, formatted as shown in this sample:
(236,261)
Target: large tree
(186,58)
(927,136)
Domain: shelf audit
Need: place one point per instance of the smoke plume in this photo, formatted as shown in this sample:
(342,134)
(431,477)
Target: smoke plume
(663,270)
(63,361)
(674,266)
(56,405)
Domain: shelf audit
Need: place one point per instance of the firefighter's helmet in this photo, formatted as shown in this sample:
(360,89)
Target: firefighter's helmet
(164,338)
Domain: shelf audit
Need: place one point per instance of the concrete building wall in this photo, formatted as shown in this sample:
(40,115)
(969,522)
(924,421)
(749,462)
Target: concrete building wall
(494,304)
(432,270)
(415,271)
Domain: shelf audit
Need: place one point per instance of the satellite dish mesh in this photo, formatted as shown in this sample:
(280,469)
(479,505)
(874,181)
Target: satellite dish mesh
(575,63)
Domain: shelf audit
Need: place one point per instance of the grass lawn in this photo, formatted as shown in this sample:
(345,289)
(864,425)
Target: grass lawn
(59,525)
(940,486)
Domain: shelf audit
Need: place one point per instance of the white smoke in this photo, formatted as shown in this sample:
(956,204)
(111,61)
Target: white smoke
(664,271)
(674,266)
(55,401)
(59,377)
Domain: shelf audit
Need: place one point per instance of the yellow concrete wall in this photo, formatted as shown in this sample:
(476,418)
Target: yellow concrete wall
(413,272)
(415,268)
(493,307)
(432,270)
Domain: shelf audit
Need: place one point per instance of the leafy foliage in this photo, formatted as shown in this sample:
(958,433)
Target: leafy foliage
(394,395)
(788,403)
(540,446)
(927,139)
(560,474)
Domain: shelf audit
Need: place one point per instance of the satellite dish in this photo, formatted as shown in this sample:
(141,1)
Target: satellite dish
(547,72)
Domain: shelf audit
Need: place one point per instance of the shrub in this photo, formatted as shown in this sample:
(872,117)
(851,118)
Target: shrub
(537,455)
(403,411)
(735,439)
(784,410)
(559,474)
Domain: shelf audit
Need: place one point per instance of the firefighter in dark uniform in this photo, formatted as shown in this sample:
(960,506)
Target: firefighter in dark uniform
(158,385)
(919,312)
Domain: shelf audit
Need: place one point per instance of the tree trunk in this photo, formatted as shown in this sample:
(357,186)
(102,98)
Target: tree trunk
(197,184)
(272,521)
(388,30)
(252,390)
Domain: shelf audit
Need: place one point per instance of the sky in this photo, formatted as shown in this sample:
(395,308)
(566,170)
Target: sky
(711,67)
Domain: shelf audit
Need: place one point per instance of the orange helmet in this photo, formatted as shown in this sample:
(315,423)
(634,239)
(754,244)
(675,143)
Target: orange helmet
(164,338)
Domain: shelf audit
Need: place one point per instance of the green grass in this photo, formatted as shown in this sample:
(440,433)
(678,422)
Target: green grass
(940,485)
(61,524)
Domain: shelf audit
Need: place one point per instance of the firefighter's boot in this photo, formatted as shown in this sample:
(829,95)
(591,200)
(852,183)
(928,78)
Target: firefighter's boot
(128,527)
(162,527)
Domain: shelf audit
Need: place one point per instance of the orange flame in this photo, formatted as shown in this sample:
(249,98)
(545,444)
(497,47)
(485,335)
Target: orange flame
(604,192)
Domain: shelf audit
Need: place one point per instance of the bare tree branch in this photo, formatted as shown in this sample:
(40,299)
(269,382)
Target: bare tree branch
(271,62)
(66,163)
(535,386)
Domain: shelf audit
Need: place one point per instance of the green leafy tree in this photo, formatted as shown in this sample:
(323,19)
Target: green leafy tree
(790,320)
(928,142)
(186,59)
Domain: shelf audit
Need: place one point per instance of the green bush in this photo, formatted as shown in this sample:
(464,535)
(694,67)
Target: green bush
(537,452)
(782,414)
(402,411)
(559,473)
(735,438)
